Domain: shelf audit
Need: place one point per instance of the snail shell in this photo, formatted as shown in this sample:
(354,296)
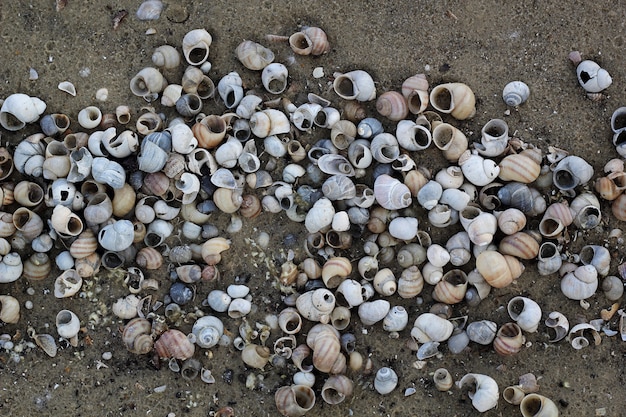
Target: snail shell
(230,89)
(19,109)
(67,284)
(27,222)
(9,309)
(509,339)
(174,344)
(336,389)
(410,283)
(612,287)
(294,400)
(478,170)
(586,210)
(28,156)
(515,93)
(309,41)
(592,77)
(335,270)
(580,283)
(497,269)
(146,83)
(390,193)
(396,319)
(166,56)
(513,394)
(452,287)
(570,172)
(253,55)
(274,78)
(208,330)
(393,105)
(68,326)
(597,256)
(269,122)
(535,405)
(483,391)
(196,45)
(212,248)
(126,307)
(519,167)
(385,282)
(137,336)
(371,312)
(520,244)
(320,215)
(456,99)
(355,85)
(525,312)
(385,380)
(316,305)
(385,148)
(443,380)
(37,267)
(429,326)
(116,236)
(559,326)
(549,259)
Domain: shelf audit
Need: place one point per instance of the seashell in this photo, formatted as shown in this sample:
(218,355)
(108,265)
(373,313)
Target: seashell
(519,167)
(37,267)
(509,340)
(166,56)
(396,319)
(28,156)
(253,55)
(415,82)
(385,380)
(96,141)
(188,105)
(429,326)
(458,342)
(343,133)
(450,140)
(230,89)
(147,83)
(194,81)
(495,138)
(108,172)
(250,206)
(189,184)
(369,127)
(557,217)
(581,334)
(497,269)
(403,228)
(392,105)
(125,144)
(483,391)
(170,95)
(390,193)
(294,400)
(525,312)
(607,187)
(618,208)
(334,164)
(482,332)
(137,336)
(227,200)
(196,45)
(9,309)
(269,122)
(212,248)
(296,150)
(46,343)
(596,256)
(28,194)
(289,320)
(480,226)
(339,187)
(385,148)
(570,172)
(586,210)
(535,405)
(591,77)
(429,194)
(511,221)
(320,215)
(410,283)
(174,344)
(68,326)
(385,282)
(456,99)
(411,136)
(316,305)
(65,222)
(355,85)
(336,389)
(42,243)
(327,117)
(309,41)
(126,307)
(558,324)
(208,330)
(513,394)
(157,232)
(520,244)
(99,209)
(477,170)
(515,93)
(19,109)
(67,284)
(292,172)
(274,78)
(581,283)
(67,87)
(549,259)
(239,307)
(340,317)
(116,236)
(443,380)
(451,289)
(613,288)
(54,124)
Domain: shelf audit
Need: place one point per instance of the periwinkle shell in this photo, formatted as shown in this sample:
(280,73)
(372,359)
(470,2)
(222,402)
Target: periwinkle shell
(180,293)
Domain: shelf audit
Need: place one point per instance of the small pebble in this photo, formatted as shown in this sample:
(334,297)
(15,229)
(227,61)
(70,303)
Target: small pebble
(32,74)
(160,389)
(318,72)
(107,356)
(30,291)
(263,240)
(102,94)
(84,72)
(28,305)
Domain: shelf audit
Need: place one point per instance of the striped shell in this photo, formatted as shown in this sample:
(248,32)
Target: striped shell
(174,344)
(520,168)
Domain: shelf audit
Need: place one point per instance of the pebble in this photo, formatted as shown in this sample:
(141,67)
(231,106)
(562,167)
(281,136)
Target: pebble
(107,356)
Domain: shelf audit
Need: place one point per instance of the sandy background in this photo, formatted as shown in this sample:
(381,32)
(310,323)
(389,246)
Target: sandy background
(484,44)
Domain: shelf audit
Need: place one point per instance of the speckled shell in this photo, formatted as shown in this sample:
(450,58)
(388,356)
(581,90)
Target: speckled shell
(174,344)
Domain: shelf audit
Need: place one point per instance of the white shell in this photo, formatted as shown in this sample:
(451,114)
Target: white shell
(591,77)
(570,172)
(385,380)
(67,284)
(478,170)
(494,138)
(355,85)
(404,228)
(67,87)
(108,172)
(269,122)
(230,89)
(274,78)
(396,319)
(429,194)
(385,148)
(11,267)
(219,300)
(117,236)
(580,283)
(19,109)
(126,307)
(166,56)
(413,137)
(528,316)
(64,260)
(147,83)
(515,93)
(391,194)
(429,326)
(485,394)
(196,45)
(208,330)
(320,215)
(68,324)
(352,292)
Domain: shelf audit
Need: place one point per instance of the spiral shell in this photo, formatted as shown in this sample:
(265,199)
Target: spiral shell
(174,344)
(309,41)
(515,93)
(137,336)
(294,400)
(253,55)
(509,339)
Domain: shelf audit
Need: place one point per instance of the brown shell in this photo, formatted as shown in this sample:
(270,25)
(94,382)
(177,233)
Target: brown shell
(325,351)
(509,339)
(174,344)
(619,207)
(607,188)
(494,268)
(392,105)
(335,270)
(149,258)
(520,168)
(84,245)
(520,244)
(250,206)
(137,336)
(88,266)
(37,267)
(156,183)
(451,289)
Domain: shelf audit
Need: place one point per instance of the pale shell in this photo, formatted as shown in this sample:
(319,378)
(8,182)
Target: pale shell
(355,85)
(253,55)
(483,391)
(592,77)
(9,309)
(515,93)
(385,380)
(196,45)
(68,325)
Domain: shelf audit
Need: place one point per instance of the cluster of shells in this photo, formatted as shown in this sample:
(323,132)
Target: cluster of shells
(116,195)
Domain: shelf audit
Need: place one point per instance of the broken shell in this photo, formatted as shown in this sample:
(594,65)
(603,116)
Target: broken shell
(385,380)
(592,77)
(294,400)
(515,93)
(316,305)
(309,41)
(483,391)
(126,307)
(67,284)
(482,332)
(46,343)
(478,170)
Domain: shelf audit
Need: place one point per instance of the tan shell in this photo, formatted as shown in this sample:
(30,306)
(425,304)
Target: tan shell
(509,339)
(452,287)
(149,258)
(411,282)
(212,248)
(497,269)
(520,244)
(335,270)
(520,168)
(137,336)
(85,244)
(294,400)
(37,267)
(255,356)
(174,344)
(9,309)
